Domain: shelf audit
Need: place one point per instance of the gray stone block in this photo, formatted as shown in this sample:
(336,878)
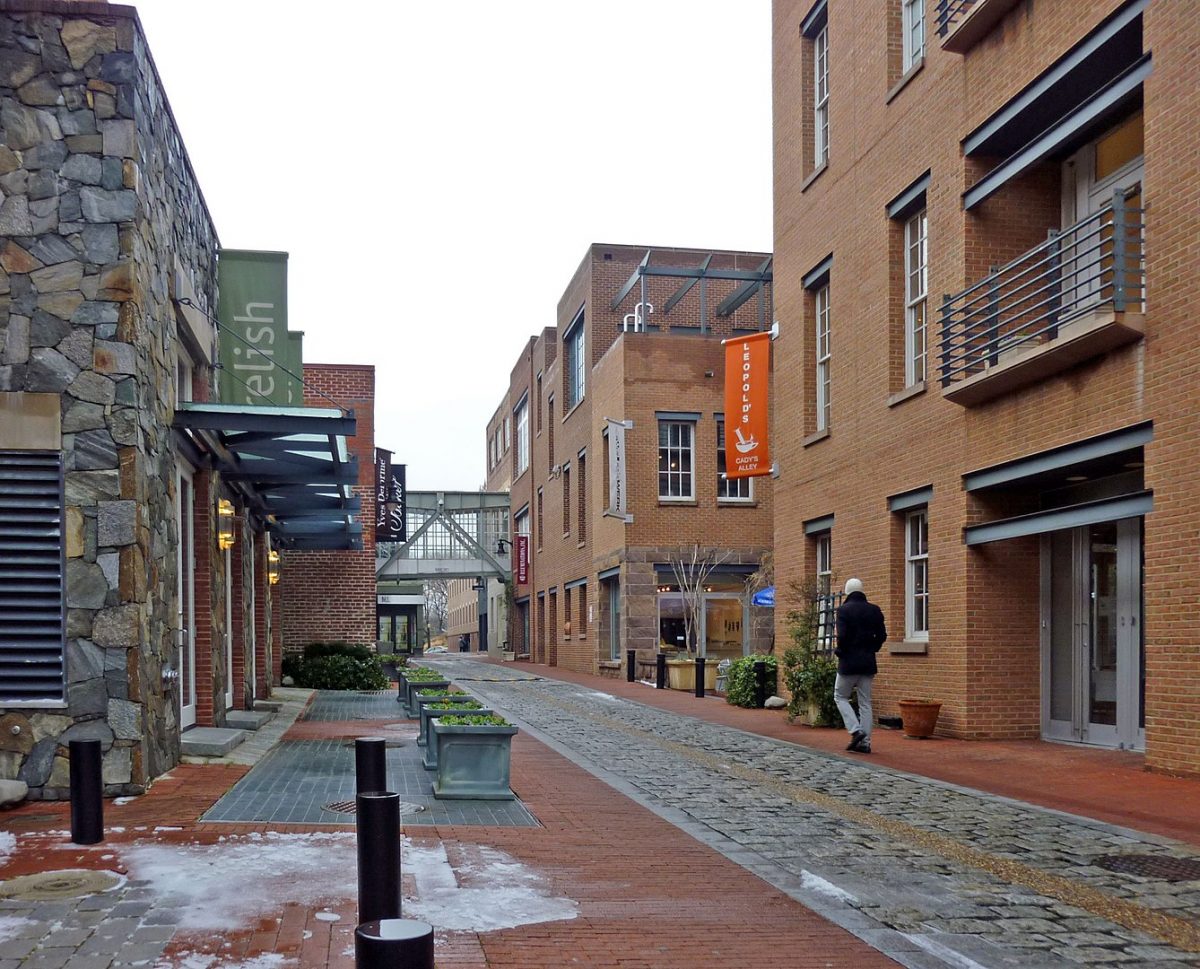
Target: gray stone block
(97,451)
(49,371)
(88,488)
(125,718)
(117,626)
(106,205)
(36,769)
(12,793)
(117,520)
(86,585)
(88,730)
(210,741)
(93,387)
(87,698)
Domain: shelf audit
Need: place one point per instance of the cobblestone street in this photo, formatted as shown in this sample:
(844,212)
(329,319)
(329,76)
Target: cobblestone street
(899,860)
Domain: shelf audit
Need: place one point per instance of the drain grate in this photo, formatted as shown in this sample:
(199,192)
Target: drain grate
(48,886)
(1165,867)
(351,807)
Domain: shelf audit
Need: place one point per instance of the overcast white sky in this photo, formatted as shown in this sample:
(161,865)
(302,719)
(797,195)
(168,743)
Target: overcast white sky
(437,170)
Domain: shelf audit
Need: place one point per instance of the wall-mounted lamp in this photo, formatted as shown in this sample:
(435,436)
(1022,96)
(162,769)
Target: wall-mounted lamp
(273,567)
(503,545)
(225,519)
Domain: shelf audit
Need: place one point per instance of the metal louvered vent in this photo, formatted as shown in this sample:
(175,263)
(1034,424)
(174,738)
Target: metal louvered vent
(32,605)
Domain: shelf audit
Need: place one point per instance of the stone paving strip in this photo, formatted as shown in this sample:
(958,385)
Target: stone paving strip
(973,879)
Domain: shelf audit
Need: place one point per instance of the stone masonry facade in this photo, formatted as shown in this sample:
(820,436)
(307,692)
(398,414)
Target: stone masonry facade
(100,215)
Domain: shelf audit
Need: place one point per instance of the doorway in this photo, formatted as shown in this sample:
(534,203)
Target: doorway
(185,516)
(1093,685)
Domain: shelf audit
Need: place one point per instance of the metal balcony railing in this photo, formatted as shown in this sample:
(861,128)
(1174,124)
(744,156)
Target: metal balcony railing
(948,11)
(1095,263)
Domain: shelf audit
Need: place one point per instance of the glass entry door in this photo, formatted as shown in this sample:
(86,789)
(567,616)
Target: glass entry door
(1092,635)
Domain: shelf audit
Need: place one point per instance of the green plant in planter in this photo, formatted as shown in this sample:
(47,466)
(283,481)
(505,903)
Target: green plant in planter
(809,672)
(421,673)
(465,705)
(473,720)
(740,680)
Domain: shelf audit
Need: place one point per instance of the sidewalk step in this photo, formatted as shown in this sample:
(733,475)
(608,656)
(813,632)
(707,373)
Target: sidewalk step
(273,705)
(248,719)
(210,741)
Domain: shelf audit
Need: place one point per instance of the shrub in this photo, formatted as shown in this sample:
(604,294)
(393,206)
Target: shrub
(316,650)
(739,681)
(291,664)
(340,673)
(809,672)
(474,720)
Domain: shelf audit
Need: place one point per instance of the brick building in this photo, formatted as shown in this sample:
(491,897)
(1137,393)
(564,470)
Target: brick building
(983,224)
(637,340)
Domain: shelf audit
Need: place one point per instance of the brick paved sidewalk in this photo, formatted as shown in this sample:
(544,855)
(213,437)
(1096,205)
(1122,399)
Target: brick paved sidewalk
(1107,785)
(645,893)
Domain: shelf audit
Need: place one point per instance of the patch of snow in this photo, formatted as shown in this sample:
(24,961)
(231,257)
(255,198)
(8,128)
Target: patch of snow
(816,883)
(272,870)
(202,960)
(8,844)
(9,924)
(123,800)
(498,891)
(601,696)
(327,917)
(167,827)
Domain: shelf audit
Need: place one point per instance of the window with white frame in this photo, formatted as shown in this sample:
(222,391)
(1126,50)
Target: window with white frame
(521,522)
(916,278)
(575,364)
(821,96)
(826,625)
(507,434)
(821,342)
(522,422)
(676,447)
(730,489)
(913,19)
(916,574)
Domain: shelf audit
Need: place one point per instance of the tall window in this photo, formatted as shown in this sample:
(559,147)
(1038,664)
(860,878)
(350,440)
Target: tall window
(821,96)
(566,480)
(826,614)
(540,500)
(507,434)
(582,625)
(539,403)
(821,316)
(521,522)
(522,421)
(730,489)
(574,363)
(913,16)
(581,487)
(916,258)
(916,574)
(550,431)
(676,444)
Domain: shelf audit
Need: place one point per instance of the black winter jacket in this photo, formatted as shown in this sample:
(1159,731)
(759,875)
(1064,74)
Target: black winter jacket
(860,633)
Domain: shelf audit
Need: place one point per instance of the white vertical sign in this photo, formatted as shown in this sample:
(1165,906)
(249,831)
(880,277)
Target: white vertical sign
(618,498)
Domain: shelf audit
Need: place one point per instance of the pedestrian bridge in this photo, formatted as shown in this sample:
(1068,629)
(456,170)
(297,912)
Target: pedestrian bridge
(451,535)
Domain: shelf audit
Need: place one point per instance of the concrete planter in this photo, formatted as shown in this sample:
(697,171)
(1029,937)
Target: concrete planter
(473,761)
(429,759)
(411,687)
(424,702)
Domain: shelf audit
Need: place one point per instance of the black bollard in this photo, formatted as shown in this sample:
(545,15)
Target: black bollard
(393,944)
(378,830)
(370,765)
(630,663)
(760,684)
(700,676)
(660,673)
(87,803)
(400,684)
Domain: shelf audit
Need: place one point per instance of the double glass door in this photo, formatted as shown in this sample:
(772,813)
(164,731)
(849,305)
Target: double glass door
(1092,644)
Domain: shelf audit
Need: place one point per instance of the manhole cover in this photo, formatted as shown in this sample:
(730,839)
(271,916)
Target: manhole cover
(351,807)
(1165,867)
(47,886)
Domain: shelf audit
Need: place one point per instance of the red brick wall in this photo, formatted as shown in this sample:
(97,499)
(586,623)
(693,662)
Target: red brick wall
(983,656)
(330,595)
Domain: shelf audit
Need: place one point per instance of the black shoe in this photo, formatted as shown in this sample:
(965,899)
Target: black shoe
(856,738)
(863,748)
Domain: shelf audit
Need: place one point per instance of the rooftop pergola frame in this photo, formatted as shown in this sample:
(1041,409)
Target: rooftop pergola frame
(753,283)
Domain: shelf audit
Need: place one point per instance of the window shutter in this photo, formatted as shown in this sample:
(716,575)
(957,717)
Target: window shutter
(32,566)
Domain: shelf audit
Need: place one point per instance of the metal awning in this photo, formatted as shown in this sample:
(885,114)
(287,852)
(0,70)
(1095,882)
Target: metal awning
(290,464)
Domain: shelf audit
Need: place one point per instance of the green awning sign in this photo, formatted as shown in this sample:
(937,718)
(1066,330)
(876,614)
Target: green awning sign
(254,343)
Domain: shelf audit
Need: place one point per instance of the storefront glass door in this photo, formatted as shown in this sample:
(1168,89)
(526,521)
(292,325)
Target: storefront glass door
(1092,634)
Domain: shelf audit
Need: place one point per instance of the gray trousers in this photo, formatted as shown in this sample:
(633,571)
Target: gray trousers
(842,688)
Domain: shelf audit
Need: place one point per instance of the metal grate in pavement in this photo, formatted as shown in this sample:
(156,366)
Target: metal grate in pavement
(298,781)
(347,705)
(1168,868)
(351,807)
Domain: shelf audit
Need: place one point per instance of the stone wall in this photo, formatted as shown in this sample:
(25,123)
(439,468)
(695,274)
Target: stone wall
(99,209)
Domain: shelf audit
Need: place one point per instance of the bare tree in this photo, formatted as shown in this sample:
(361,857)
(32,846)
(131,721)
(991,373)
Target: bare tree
(437,603)
(692,567)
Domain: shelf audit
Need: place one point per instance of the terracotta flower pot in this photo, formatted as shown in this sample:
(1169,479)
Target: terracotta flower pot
(918,718)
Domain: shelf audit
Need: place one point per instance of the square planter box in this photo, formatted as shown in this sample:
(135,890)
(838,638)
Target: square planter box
(410,703)
(472,762)
(423,702)
(681,675)
(429,759)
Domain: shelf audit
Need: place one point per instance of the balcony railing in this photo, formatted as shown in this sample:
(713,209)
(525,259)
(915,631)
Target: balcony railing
(949,11)
(1039,297)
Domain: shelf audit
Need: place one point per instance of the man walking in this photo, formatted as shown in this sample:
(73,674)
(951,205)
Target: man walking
(860,633)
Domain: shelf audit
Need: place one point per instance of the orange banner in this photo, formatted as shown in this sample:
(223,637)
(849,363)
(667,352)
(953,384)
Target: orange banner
(747,372)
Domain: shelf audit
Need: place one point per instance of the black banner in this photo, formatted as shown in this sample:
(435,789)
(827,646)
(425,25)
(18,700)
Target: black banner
(390,499)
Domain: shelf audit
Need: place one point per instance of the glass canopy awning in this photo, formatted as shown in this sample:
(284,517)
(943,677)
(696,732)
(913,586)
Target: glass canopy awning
(291,465)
